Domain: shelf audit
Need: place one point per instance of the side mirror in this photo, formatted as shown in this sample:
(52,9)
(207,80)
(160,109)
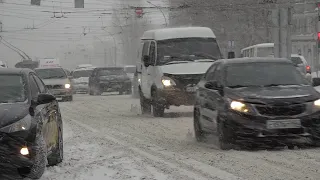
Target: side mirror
(316,81)
(45,98)
(146,60)
(212,85)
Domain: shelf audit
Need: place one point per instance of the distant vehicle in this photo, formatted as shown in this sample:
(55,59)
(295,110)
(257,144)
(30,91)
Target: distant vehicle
(80,80)
(49,63)
(27,64)
(3,64)
(267,50)
(109,79)
(57,81)
(31,124)
(172,62)
(244,100)
(84,66)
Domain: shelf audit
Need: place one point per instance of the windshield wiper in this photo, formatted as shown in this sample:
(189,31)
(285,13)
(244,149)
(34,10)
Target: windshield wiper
(177,62)
(237,86)
(53,77)
(203,55)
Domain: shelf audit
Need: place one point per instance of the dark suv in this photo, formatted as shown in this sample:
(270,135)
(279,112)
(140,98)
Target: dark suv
(257,101)
(109,79)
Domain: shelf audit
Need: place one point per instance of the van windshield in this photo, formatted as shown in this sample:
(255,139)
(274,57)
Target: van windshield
(187,49)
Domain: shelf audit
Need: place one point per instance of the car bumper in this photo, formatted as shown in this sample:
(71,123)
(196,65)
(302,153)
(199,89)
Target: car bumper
(10,158)
(115,86)
(61,93)
(176,97)
(244,126)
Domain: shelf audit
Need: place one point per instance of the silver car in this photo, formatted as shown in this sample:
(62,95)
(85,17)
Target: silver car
(80,80)
(57,81)
(302,65)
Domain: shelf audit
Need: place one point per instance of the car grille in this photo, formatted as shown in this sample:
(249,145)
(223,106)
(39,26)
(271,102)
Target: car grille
(55,86)
(185,80)
(290,110)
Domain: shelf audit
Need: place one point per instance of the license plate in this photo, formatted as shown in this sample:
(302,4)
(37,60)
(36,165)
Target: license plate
(59,98)
(191,89)
(284,124)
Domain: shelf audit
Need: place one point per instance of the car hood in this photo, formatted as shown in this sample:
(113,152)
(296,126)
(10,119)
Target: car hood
(274,95)
(114,78)
(80,80)
(11,113)
(186,68)
(55,81)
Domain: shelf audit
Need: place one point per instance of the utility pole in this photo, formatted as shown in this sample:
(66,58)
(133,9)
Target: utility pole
(276,32)
(105,56)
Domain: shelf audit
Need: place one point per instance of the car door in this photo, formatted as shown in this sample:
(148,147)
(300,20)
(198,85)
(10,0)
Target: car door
(93,78)
(202,98)
(48,114)
(151,70)
(144,71)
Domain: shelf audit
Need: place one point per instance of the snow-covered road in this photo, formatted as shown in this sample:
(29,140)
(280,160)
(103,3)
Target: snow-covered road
(106,137)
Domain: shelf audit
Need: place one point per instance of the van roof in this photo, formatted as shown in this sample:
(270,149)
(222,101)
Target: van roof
(174,33)
(259,45)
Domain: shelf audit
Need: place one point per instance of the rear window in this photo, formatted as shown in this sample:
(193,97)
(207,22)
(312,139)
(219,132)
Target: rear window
(108,72)
(13,89)
(296,60)
(79,74)
(52,73)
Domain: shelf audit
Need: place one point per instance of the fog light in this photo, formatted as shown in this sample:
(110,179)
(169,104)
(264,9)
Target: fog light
(24,151)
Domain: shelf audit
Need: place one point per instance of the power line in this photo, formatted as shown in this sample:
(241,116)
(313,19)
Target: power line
(16,48)
(11,48)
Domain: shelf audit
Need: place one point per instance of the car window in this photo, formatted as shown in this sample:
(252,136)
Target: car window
(210,73)
(145,49)
(40,84)
(152,52)
(13,88)
(33,88)
(52,73)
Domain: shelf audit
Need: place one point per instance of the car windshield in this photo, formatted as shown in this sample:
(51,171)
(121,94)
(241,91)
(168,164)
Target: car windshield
(263,74)
(189,49)
(108,72)
(296,60)
(79,74)
(13,89)
(52,73)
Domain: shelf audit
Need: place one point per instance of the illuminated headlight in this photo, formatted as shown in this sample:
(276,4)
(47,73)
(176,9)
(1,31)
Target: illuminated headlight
(67,86)
(317,103)
(166,81)
(22,125)
(239,106)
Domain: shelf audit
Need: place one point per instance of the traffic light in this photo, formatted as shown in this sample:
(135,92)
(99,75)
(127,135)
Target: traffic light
(36,2)
(79,3)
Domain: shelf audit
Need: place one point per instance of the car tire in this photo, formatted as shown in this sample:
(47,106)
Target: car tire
(198,132)
(40,159)
(145,104)
(223,136)
(157,108)
(57,156)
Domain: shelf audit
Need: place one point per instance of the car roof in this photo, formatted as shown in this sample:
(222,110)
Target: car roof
(254,60)
(180,32)
(109,68)
(15,71)
(49,68)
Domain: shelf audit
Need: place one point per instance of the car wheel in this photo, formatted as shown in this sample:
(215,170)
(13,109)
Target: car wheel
(57,156)
(145,104)
(199,134)
(223,135)
(157,108)
(40,159)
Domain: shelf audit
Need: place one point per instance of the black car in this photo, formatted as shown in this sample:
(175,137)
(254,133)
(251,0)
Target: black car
(30,125)
(256,101)
(109,79)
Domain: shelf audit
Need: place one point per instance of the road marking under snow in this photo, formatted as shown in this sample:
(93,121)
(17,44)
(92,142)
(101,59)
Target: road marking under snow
(202,167)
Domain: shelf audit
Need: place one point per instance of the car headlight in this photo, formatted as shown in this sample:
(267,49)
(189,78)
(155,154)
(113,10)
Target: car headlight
(239,106)
(317,103)
(67,86)
(166,81)
(21,125)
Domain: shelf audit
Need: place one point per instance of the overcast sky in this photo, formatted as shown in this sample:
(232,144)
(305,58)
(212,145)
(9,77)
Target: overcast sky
(54,32)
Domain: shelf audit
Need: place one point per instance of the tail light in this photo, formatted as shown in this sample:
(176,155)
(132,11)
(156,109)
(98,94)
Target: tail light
(308,68)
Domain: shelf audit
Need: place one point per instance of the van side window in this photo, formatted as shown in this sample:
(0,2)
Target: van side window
(152,53)
(145,49)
